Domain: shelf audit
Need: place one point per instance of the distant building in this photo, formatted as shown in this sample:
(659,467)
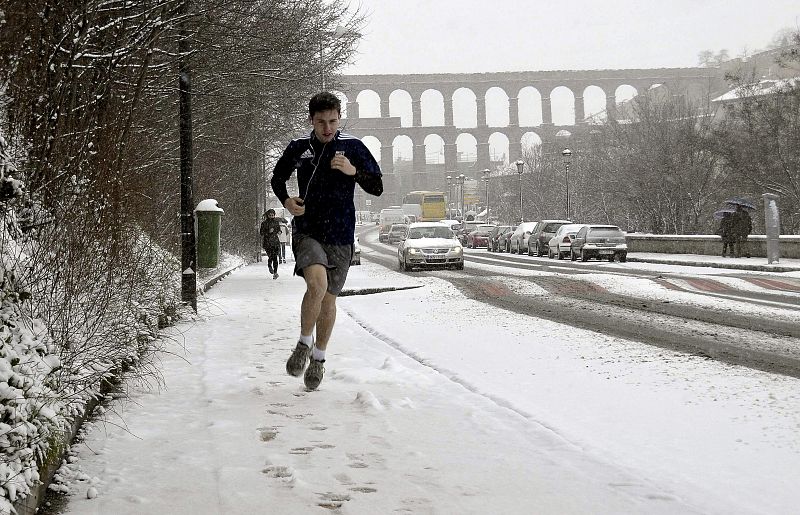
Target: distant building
(763,88)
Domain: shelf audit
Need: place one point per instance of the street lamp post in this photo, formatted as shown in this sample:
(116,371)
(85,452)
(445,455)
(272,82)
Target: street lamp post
(486,173)
(520,164)
(567,155)
(188,237)
(461,179)
(449,180)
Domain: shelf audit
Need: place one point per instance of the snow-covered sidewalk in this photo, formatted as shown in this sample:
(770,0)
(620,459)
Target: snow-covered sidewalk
(430,405)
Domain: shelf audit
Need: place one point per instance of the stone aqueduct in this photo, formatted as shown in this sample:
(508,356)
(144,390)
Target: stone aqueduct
(692,81)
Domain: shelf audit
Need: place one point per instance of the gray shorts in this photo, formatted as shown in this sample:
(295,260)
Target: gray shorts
(336,258)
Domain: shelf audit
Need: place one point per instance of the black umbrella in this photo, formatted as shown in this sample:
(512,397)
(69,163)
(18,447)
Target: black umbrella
(721,213)
(739,201)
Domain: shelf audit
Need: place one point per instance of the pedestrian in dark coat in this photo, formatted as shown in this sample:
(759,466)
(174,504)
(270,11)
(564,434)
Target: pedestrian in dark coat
(726,233)
(270,230)
(742,227)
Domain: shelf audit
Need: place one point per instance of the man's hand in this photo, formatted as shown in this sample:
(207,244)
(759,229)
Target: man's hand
(295,206)
(341,163)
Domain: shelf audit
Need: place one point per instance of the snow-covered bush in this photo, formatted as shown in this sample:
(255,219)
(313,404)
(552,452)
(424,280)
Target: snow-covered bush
(29,408)
(80,302)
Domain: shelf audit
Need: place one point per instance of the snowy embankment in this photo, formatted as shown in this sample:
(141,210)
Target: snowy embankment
(65,343)
(436,403)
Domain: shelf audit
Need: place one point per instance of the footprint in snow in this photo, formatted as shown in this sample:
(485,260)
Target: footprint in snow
(279,472)
(333,501)
(364,489)
(267,434)
(301,450)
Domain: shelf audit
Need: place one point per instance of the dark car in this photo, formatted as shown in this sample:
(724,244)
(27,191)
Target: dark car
(541,234)
(480,236)
(504,241)
(493,244)
(467,227)
(601,242)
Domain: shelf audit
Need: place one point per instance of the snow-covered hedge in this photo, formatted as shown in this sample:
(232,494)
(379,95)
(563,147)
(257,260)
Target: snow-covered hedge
(77,307)
(29,408)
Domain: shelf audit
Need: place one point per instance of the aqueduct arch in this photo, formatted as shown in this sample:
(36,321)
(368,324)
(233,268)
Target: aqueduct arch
(430,90)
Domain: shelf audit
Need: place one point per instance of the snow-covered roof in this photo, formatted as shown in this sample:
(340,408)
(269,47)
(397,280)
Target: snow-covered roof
(764,87)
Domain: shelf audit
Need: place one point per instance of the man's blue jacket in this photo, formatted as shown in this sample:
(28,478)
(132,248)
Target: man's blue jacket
(330,215)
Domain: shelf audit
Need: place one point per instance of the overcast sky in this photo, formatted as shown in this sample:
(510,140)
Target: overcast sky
(429,36)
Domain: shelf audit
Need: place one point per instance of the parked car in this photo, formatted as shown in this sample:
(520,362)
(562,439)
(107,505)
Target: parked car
(430,245)
(492,244)
(397,233)
(356,259)
(519,238)
(601,242)
(541,234)
(561,242)
(504,240)
(467,227)
(479,237)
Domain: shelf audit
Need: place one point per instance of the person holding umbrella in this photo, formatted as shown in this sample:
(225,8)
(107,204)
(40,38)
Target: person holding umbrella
(742,227)
(726,233)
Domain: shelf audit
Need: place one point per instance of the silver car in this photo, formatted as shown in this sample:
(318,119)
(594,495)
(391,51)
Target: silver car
(518,242)
(561,242)
(430,245)
(601,242)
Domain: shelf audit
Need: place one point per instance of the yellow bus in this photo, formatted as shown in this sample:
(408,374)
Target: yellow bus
(426,206)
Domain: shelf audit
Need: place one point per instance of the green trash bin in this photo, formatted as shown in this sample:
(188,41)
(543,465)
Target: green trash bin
(208,220)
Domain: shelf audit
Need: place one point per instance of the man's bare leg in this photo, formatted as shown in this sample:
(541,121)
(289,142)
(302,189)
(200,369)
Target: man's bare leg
(316,277)
(325,321)
(318,309)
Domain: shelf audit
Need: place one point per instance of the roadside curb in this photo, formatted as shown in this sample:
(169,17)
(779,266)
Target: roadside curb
(204,287)
(730,266)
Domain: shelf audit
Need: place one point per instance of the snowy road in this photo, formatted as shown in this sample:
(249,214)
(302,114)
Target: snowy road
(437,403)
(750,319)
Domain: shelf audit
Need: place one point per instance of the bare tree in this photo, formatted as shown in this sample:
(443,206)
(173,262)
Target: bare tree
(759,141)
(654,172)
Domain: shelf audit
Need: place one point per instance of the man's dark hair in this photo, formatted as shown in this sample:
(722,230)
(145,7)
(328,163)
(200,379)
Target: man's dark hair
(324,101)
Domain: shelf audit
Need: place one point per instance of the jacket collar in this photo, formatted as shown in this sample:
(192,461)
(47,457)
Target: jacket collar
(314,141)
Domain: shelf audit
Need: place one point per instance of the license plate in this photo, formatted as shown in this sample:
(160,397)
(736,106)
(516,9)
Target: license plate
(606,252)
(436,260)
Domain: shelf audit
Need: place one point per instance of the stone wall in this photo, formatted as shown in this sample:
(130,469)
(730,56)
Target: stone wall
(708,244)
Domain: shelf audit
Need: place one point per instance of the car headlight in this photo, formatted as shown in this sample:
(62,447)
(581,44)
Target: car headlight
(413,251)
(457,250)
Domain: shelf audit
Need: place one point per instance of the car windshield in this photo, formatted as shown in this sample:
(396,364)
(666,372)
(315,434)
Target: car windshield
(606,232)
(552,227)
(569,228)
(430,232)
(398,228)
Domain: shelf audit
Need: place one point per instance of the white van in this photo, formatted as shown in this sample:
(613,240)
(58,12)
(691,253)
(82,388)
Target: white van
(389,216)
